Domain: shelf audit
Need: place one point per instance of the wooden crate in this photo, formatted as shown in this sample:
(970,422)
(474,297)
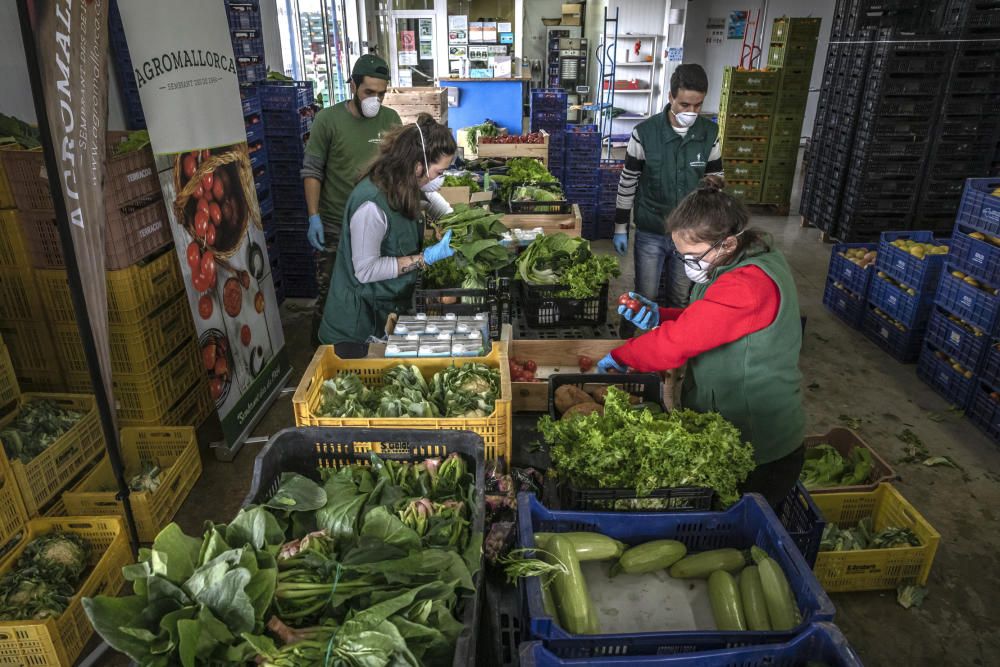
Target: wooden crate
(569,224)
(553,357)
(411,102)
(537,151)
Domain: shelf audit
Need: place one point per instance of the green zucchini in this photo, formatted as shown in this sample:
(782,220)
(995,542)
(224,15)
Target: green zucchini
(547,602)
(650,556)
(576,609)
(588,546)
(701,565)
(752,595)
(726,606)
(781,608)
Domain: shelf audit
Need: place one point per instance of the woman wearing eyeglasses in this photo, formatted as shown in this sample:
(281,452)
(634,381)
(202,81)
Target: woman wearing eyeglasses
(740,335)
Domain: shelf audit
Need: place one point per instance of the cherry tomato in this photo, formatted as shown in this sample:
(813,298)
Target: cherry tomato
(200,224)
(215,213)
(205,306)
(221,367)
(189,165)
(529,376)
(245,335)
(194,256)
(203,206)
(205,154)
(258,302)
(208,181)
(219,189)
(530,366)
(624,299)
(633,305)
(199,282)
(585,363)
(215,388)
(210,235)
(245,279)
(199,193)
(208,356)
(208,267)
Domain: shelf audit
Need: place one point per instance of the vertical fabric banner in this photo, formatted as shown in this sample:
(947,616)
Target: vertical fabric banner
(72,44)
(190,95)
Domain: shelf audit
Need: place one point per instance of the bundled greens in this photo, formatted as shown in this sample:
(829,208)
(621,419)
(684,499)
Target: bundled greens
(534,193)
(17,132)
(469,390)
(559,259)
(443,275)
(522,171)
(865,537)
(39,423)
(635,448)
(485,129)
(465,180)
(825,467)
(369,566)
(476,235)
(136,139)
(45,577)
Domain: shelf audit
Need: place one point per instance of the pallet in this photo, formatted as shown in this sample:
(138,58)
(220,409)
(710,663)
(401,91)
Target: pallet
(772,209)
(824,236)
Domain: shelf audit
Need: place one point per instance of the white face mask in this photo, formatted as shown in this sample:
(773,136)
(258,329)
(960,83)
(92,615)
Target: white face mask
(685,118)
(370,107)
(699,275)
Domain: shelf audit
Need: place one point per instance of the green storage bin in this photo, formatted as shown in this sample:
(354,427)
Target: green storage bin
(779,169)
(786,126)
(744,170)
(749,81)
(748,191)
(745,126)
(744,149)
(792,56)
(791,104)
(747,104)
(803,31)
(776,190)
(783,149)
(794,79)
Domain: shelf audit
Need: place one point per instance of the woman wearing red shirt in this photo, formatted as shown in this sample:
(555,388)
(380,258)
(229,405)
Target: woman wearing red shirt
(740,336)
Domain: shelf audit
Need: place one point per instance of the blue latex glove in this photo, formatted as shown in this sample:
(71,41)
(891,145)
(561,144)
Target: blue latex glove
(646,318)
(608,364)
(621,244)
(440,250)
(315,233)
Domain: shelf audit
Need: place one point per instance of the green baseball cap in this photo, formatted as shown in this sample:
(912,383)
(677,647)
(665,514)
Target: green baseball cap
(371,65)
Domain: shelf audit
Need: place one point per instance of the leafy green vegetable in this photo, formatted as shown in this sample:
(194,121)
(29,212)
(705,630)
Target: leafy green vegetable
(469,390)
(465,180)
(45,577)
(136,140)
(486,129)
(38,424)
(443,275)
(634,448)
(476,235)
(522,171)
(346,396)
(911,596)
(559,259)
(16,131)
(863,537)
(825,467)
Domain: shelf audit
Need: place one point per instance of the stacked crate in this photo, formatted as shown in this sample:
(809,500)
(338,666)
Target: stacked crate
(288,116)
(901,294)
(793,43)
(848,281)
(548,112)
(132,106)
(581,175)
(748,104)
(247,35)
(607,198)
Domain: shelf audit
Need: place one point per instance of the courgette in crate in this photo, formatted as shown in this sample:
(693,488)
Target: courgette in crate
(701,565)
(548,603)
(781,608)
(576,609)
(726,605)
(650,557)
(752,596)
(588,546)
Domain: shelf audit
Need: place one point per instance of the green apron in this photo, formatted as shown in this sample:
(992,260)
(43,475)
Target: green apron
(673,167)
(355,310)
(755,382)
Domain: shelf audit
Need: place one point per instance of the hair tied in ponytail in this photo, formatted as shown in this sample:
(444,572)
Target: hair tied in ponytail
(708,185)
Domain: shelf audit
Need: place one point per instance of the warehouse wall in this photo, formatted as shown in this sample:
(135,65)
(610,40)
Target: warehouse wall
(715,57)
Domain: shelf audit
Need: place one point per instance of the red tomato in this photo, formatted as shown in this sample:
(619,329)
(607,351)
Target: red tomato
(529,376)
(633,305)
(203,206)
(205,306)
(215,388)
(221,367)
(530,366)
(205,154)
(194,256)
(215,213)
(245,335)
(624,299)
(189,165)
(208,181)
(210,235)
(200,224)
(199,193)
(199,282)
(585,363)
(208,267)
(219,189)
(208,356)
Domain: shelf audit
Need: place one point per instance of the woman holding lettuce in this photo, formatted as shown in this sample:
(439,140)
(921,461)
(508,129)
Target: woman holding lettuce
(380,247)
(740,335)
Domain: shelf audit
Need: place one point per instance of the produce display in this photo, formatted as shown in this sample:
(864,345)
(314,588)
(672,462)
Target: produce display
(865,537)
(571,400)
(465,180)
(485,130)
(920,250)
(628,448)
(566,261)
(369,566)
(523,193)
(468,391)
(895,323)
(863,257)
(476,238)
(824,467)
(502,487)
(44,578)
(530,138)
(38,424)
(523,371)
(522,171)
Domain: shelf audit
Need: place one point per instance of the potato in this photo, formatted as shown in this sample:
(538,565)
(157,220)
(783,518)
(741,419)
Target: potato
(567,396)
(599,393)
(583,409)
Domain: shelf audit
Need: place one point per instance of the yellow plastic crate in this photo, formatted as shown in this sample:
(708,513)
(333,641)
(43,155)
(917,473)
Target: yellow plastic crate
(9,390)
(47,475)
(133,293)
(875,569)
(495,429)
(191,409)
(6,195)
(174,449)
(58,642)
(13,250)
(12,513)
(19,296)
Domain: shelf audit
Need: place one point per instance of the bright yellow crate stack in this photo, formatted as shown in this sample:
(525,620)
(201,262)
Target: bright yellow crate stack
(173,449)
(59,641)
(494,429)
(875,569)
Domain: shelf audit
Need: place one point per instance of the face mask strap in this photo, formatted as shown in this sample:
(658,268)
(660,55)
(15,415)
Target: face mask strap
(423,147)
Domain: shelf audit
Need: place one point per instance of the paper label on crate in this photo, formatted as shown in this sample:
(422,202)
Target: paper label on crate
(955,338)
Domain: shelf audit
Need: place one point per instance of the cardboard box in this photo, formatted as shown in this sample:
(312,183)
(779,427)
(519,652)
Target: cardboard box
(572,14)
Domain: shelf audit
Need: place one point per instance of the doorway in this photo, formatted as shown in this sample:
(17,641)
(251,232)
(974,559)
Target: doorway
(413,52)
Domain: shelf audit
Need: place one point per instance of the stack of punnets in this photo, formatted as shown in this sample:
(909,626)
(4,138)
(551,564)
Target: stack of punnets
(581,175)
(745,112)
(247,34)
(288,117)
(901,292)
(548,112)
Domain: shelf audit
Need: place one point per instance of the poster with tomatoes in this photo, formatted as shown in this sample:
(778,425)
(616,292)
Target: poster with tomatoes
(205,175)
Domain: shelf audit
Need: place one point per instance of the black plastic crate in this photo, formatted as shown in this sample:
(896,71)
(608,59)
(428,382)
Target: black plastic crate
(556,207)
(909,107)
(501,624)
(542,308)
(803,520)
(495,299)
(956,104)
(648,385)
(306,450)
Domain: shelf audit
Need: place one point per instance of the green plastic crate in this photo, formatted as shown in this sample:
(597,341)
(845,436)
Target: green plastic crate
(791,104)
(745,126)
(786,126)
(745,170)
(796,30)
(794,79)
(777,191)
(779,169)
(748,104)
(783,149)
(744,149)
(792,56)
(748,191)
(736,80)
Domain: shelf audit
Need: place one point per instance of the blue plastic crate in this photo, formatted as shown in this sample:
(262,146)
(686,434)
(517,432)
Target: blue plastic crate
(747,523)
(854,278)
(266,205)
(904,267)
(979,259)
(294,242)
(288,149)
(285,172)
(289,193)
(255,132)
(259,157)
(990,373)
(251,72)
(956,340)
(288,123)
(945,380)
(984,411)
(251,104)
(285,95)
(846,305)
(803,521)
(247,43)
(243,15)
(908,309)
(980,208)
(902,345)
(972,304)
(823,643)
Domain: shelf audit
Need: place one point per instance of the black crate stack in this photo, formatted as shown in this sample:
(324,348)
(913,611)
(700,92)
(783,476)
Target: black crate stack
(904,116)
(247,34)
(548,112)
(581,174)
(134,118)
(607,197)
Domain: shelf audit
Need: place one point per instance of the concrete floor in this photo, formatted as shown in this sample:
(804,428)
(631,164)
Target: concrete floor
(848,378)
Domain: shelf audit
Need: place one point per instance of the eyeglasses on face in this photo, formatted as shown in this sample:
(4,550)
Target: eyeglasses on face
(695,262)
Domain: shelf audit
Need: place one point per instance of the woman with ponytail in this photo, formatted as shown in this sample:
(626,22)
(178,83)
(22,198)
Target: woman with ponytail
(740,335)
(380,248)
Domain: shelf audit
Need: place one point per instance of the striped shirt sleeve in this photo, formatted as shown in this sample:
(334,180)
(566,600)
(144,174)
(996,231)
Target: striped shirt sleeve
(635,160)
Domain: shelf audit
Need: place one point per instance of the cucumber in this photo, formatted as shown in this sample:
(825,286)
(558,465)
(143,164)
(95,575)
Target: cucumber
(701,565)
(588,546)
(752,595)
(650,556)
(781,608)
(576,609)
(726,606)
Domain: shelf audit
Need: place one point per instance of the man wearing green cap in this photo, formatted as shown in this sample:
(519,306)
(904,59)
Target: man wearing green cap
(343,140)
